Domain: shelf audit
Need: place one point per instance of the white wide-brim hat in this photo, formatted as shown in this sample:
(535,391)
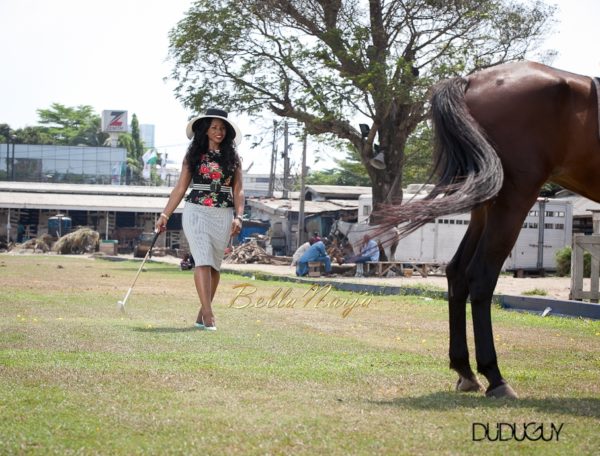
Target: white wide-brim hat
(216,114)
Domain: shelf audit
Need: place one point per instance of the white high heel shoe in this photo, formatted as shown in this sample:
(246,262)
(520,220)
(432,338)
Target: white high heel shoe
(209,328)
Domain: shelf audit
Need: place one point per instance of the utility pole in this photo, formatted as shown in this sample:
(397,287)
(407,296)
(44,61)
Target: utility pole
(273,162)
(12,163)
(7,157)
(286,160)
(301,224)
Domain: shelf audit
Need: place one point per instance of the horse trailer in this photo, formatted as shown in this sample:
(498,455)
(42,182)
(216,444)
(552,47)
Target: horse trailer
(547,228)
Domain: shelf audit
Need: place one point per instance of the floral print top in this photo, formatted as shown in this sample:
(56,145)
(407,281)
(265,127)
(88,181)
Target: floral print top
(209,170)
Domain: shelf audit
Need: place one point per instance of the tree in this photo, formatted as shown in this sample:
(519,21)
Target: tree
(348,171)
(326,62)
(418,155)
(5,131)
(63,125)
(72,126)
(135,150)
(134,169)
(27,135)
(33,135)
(416,169)
(138,144)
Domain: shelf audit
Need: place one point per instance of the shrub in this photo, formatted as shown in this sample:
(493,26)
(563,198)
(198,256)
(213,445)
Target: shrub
(563,262)
(535,292)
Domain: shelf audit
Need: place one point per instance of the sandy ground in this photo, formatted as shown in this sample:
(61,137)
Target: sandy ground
(555,287)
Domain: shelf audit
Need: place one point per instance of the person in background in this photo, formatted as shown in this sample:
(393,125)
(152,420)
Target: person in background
(20,232)
(187,262)
(215,205)
(316,252)
(300,251)
(315,238)
(368,252)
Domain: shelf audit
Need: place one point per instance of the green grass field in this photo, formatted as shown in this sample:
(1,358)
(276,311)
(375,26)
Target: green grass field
(283,376)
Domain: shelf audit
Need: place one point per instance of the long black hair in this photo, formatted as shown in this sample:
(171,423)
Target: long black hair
(199,146)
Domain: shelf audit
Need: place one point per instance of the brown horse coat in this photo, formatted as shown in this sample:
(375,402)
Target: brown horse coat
(500,135)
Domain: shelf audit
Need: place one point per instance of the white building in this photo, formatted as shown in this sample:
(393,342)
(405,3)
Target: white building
(257,185)
(147,135)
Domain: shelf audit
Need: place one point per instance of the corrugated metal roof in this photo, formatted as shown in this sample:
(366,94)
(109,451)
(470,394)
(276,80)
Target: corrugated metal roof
(346,204)
(43,187)
(121,198)
(283,206)
(346,190)
(581,205)
(84,202)
(39,195)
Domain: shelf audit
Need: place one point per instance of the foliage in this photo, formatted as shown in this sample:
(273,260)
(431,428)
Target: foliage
(33,135)
(5,131)
(549,190)
(535,292)
(72,126)
(135,150)
(138,144)
(155,178)
(349,171)
(563,262)
(134,166)
(418,155)
(326,63)
(61,125)
(134,145)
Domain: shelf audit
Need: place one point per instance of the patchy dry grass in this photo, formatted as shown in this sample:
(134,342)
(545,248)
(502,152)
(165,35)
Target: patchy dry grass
(282,375)
(535,292)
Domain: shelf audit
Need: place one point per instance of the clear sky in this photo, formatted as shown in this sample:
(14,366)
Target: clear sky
(112,55)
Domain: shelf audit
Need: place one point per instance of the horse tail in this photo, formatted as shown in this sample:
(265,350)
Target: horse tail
(468,169)
(466,163)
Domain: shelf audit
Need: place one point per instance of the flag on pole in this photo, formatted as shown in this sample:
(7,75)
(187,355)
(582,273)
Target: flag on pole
(150,157)
(163,167)
(116,174)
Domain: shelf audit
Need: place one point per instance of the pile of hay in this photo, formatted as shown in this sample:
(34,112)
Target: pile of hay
(43,243)
(83,240)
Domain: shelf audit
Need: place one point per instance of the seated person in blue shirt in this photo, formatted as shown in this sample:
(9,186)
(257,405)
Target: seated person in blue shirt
(368,252)
(315,252)
(315,238)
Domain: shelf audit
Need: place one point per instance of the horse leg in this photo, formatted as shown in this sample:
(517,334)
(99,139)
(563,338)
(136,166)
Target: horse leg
(458,292)
(503,223)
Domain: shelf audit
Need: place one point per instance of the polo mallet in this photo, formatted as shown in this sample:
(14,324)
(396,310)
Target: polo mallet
(121,304)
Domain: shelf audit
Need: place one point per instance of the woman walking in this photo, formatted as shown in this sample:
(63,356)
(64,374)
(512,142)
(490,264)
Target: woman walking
(215,205)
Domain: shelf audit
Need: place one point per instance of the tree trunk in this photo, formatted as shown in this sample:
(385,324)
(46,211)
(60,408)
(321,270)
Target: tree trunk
(387,182)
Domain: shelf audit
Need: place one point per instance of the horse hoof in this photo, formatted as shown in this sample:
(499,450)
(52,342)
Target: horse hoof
(503,390)
(465,385)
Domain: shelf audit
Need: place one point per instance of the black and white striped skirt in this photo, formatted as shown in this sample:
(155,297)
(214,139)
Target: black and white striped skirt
(207,230)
